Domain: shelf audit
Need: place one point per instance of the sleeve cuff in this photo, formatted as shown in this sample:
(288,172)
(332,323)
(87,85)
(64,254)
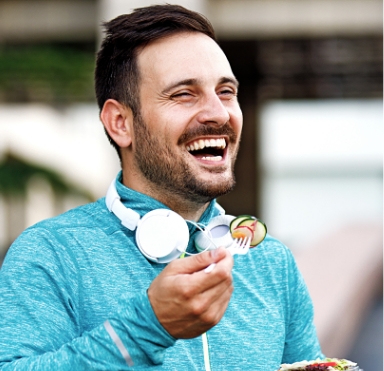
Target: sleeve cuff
(139,330)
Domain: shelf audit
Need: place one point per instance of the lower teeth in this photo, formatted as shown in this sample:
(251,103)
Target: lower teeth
(215,158)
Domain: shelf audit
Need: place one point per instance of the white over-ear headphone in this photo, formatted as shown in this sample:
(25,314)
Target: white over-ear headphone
(163,235)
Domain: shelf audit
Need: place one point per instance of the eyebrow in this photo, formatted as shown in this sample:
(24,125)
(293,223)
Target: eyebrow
(187,82)
(231,80)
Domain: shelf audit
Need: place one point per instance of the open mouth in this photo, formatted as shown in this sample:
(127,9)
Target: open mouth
(208,149)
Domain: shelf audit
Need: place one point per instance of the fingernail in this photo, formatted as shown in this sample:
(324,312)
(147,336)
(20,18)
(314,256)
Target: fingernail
(213,253)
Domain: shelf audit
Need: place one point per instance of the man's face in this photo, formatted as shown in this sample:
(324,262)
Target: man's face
(187,134)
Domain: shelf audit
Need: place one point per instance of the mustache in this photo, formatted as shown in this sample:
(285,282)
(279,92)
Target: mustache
(207,130)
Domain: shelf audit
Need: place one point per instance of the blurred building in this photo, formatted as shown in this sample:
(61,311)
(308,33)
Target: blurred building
(279,50)
(311,87)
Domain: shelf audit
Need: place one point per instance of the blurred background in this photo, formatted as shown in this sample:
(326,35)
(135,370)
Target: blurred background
(310,165)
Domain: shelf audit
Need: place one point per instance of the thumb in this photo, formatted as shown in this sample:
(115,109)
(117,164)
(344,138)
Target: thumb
(198,262)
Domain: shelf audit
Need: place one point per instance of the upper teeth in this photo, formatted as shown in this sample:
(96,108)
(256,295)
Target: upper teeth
(203,143)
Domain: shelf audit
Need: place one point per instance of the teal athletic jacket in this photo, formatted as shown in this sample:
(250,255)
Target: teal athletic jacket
(73,297)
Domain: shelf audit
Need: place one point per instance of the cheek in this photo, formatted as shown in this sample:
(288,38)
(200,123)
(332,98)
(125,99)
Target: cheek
(174,129)
(168,122)
(237,120)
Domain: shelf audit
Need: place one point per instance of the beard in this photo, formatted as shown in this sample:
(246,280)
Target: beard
(173,173)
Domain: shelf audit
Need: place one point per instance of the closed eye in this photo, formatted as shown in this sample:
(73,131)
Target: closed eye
(182,94)
(227,93)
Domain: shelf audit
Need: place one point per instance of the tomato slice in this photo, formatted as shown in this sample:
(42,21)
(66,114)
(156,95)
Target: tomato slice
(325,364)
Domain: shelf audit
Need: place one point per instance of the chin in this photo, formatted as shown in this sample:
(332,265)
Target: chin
(207,190)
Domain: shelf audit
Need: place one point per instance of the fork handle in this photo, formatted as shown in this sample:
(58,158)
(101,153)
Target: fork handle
(213,265)
(210,268)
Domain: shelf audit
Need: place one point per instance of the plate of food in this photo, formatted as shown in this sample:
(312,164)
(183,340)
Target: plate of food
(326,364)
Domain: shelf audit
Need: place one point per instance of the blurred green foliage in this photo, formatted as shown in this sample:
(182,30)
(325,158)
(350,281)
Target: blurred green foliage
(54,74)
(16,172)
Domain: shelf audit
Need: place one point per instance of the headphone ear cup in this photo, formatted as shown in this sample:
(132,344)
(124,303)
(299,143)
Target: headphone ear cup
(162,235)
(217,231)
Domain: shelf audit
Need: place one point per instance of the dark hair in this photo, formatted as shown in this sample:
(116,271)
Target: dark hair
(116,73)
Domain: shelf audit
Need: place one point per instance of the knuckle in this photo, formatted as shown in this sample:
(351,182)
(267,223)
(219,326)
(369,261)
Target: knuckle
(201,259)
(225,275)
(172,266)
(198,308)
(211,318)
(187,292)
(230,289)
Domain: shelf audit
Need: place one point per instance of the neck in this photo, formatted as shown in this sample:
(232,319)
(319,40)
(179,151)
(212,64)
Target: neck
(189,210)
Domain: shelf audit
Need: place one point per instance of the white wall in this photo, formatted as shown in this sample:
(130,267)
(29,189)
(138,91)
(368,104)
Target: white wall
(70,141)
(322,162)
(109,9)
(292,18)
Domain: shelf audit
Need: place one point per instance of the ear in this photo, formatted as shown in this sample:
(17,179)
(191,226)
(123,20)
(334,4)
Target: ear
(117,120)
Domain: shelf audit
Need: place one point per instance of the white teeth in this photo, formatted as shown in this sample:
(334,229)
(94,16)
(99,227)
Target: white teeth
(201,143)
(215,158)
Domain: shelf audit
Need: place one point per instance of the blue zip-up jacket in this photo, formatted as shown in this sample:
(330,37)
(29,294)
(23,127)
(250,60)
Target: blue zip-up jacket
(73,297)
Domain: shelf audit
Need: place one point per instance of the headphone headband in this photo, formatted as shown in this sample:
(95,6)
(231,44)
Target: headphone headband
(163,235)
(129,218)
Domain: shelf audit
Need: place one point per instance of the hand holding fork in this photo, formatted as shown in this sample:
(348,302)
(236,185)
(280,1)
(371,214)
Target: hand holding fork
(240,246)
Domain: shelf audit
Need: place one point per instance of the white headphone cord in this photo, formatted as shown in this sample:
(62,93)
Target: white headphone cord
(207,233)
(204,337)
(207,361)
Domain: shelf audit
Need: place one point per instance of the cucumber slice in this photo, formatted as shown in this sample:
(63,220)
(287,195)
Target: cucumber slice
(235,222)
(250,222)
(258,228)
(259,234)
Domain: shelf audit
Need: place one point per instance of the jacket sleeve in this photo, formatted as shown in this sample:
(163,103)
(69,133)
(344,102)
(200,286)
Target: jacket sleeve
(40,317)
(301,341)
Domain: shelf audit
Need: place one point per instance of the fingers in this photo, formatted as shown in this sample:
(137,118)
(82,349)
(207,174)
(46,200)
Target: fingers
(194,267)
(186,300)
(210,305)
(197,262)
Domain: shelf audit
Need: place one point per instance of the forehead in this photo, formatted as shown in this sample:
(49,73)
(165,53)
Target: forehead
(180,57)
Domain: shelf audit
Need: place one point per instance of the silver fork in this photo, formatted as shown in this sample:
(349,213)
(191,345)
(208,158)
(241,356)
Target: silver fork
(239,246)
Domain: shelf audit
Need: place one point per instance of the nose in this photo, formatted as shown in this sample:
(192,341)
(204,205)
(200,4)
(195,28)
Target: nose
(213,111)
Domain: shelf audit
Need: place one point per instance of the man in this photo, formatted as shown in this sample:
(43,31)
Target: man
(79,292)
